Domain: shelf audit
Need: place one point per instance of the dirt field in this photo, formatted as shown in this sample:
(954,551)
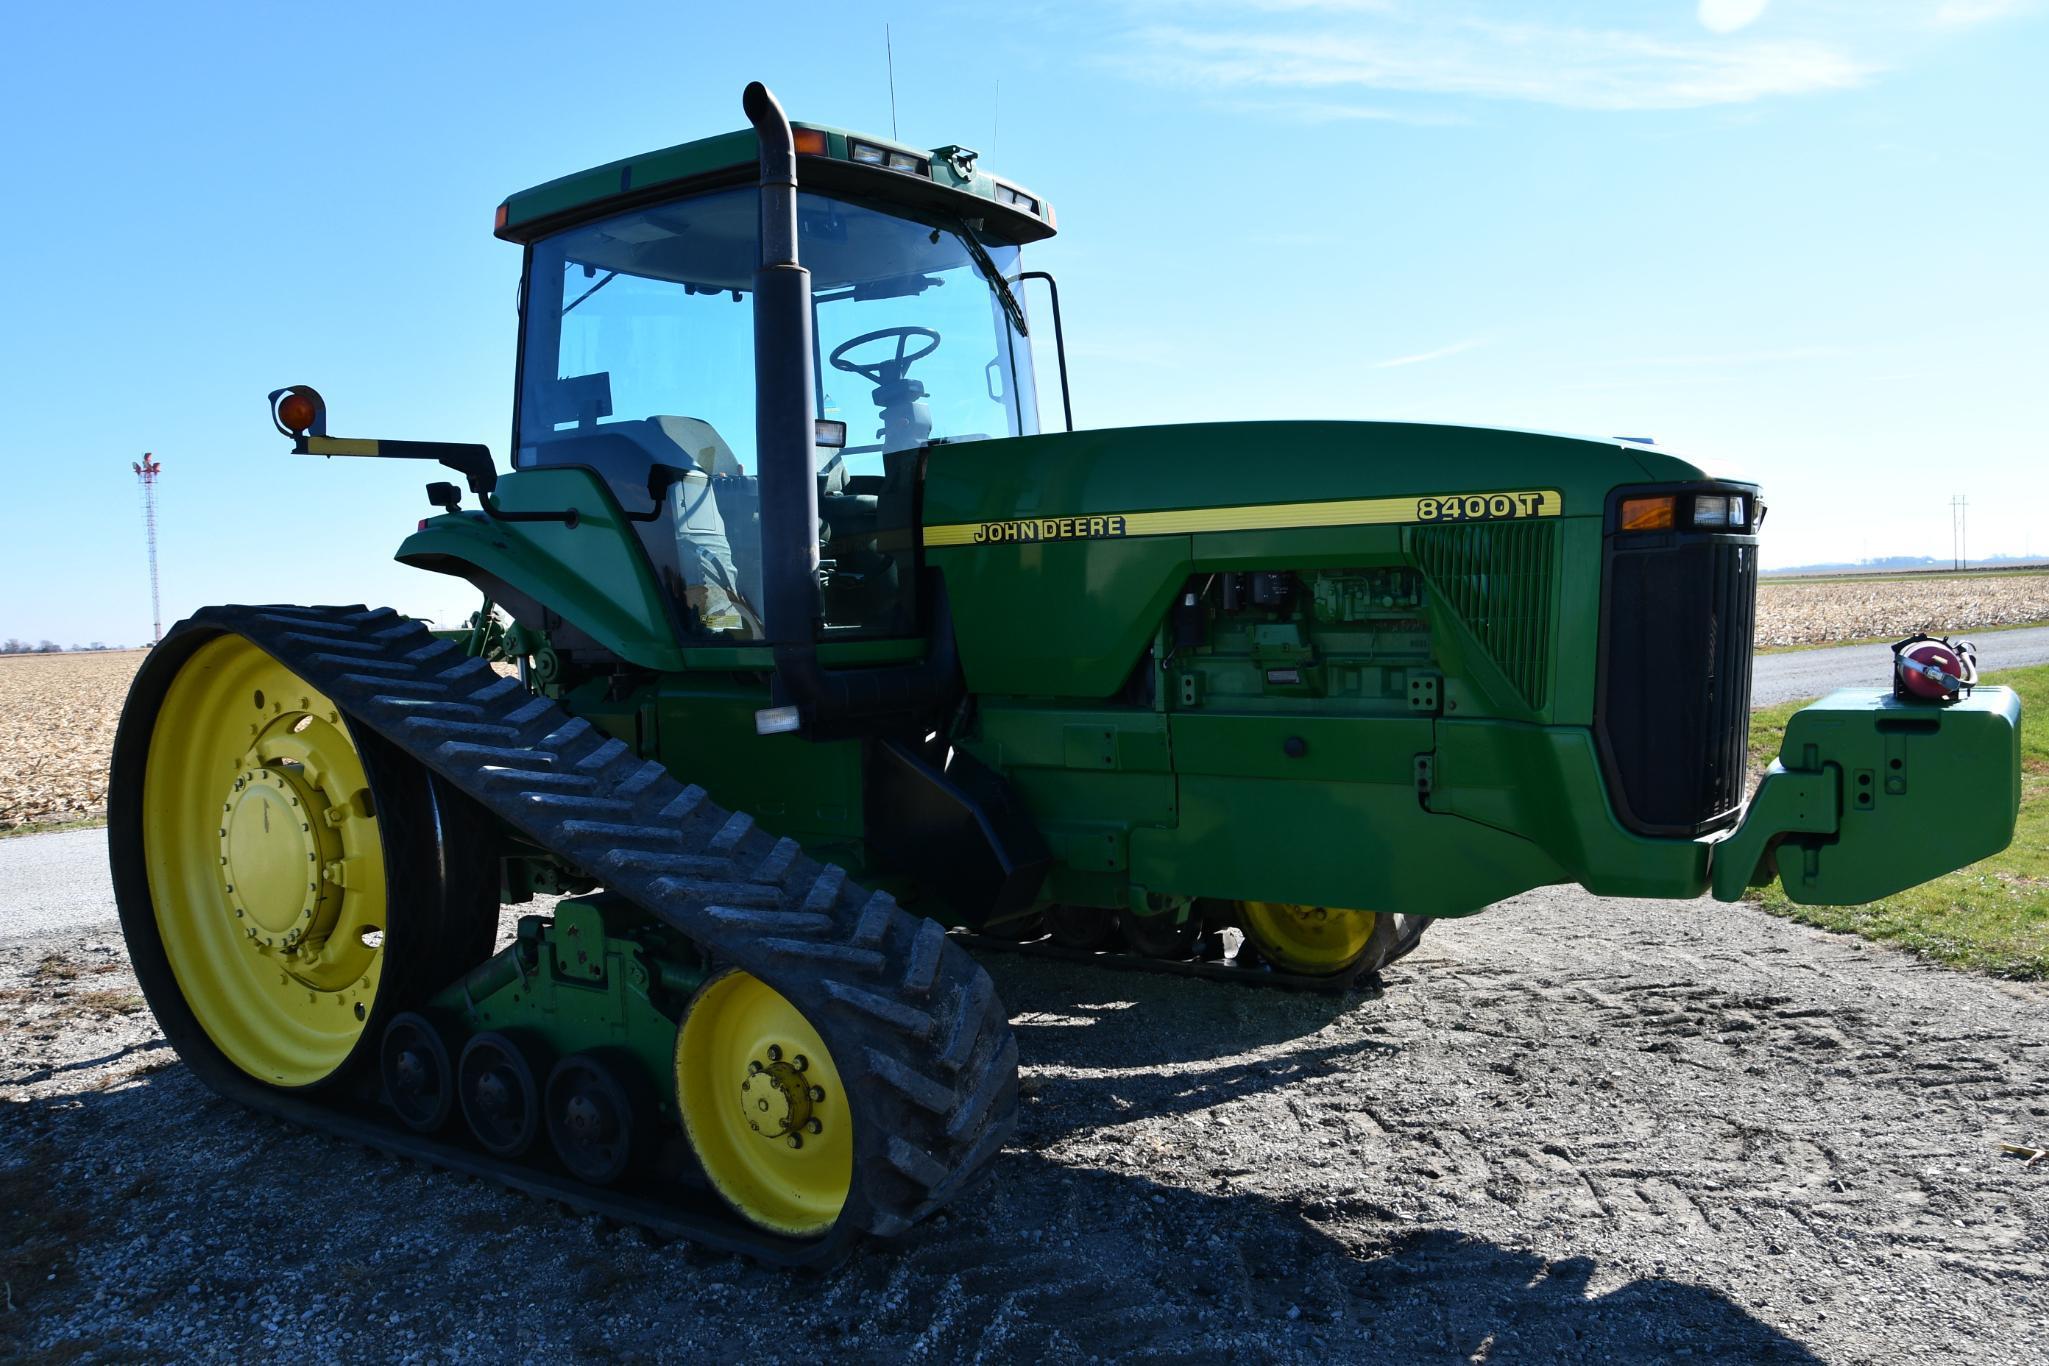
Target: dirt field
(57,717)
(1794,613)
(1565,1130)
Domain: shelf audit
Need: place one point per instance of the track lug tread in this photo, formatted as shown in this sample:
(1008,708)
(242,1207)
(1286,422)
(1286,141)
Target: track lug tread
(967,1022)
(732,832)
(733,896)
(641,779)
(777,865)
(904,1019)
(826,890)
(786,922)
(876,918)
(973,1111)
(685,802)
(922,972)
(864,960)
(915,1163)
(917,1088)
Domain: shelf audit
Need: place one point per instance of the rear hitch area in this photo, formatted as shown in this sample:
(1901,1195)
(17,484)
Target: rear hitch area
(1874,792)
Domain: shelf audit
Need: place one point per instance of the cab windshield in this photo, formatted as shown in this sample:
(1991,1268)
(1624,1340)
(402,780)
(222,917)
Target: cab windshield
(637,350)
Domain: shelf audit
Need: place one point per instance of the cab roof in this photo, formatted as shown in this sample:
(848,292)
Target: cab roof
(944,178)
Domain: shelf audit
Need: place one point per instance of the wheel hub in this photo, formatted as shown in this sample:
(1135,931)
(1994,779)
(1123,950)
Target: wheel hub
(589,1120)
(272,853)
(777,1100)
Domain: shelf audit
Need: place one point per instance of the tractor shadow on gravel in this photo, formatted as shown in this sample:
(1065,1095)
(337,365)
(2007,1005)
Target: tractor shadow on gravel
(156,1250)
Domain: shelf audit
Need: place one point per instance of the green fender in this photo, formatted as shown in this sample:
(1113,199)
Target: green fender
(594,573)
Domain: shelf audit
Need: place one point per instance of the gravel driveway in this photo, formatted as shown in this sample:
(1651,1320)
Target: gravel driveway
(1567,1129)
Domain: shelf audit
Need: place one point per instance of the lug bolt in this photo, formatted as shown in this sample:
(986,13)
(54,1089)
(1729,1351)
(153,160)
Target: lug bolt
(817,1093)
(796,1140)
(800,1062)
(775,1053)
(754,1067)
(812,1126)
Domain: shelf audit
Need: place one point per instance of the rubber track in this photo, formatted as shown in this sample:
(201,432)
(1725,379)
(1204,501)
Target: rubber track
(912,1021)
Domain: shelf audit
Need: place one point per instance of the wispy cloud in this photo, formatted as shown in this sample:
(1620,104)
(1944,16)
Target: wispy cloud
(1726,16)
(1423,356)
(1772,356)
(1343,111)
(1963,13)
(1603,69)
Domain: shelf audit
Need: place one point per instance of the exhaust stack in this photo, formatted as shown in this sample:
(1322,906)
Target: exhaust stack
(783,401)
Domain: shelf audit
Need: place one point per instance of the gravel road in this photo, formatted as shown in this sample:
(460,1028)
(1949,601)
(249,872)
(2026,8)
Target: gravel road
(1564,1130)
(1794,674)
(50,883)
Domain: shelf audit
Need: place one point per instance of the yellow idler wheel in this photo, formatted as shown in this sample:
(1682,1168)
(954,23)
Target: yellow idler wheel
(763,1106)
(265,866)
(1317,941)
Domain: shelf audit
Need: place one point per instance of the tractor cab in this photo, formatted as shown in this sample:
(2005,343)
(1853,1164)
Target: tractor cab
(638,361)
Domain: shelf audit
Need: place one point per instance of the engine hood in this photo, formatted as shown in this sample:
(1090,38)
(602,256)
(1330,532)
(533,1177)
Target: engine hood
(1239,465)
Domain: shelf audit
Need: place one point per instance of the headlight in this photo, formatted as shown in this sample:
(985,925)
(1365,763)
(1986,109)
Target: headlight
(1017,199)
(868,154)
(1657,511)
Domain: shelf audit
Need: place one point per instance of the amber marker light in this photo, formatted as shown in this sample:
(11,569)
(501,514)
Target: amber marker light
(498,224)
(810,142)
(296,413)
(1649,514)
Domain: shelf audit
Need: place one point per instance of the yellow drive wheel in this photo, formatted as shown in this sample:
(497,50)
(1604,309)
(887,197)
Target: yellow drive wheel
(764,1107)
(1319,941)
(265,866)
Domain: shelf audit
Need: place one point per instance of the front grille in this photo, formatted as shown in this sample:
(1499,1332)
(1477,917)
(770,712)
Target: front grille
(1497,577)
(1673,709)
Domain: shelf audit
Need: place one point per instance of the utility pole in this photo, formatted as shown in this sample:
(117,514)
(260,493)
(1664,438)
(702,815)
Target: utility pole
(1958,542)
(146,474)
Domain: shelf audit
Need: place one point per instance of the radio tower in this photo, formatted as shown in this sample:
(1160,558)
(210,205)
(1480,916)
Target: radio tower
(146,474)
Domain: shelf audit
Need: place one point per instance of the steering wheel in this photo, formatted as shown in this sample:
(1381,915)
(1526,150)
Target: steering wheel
(893,369)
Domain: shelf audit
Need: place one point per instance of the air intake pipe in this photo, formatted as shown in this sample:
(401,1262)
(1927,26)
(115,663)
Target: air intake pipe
(830,703)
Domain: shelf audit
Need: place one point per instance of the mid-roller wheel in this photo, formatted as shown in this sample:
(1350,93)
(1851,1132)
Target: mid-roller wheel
(592,1120)
(1161,935)
(419,1075)
(500,1098)
(1316,941)
(764,1107)
(1088,928)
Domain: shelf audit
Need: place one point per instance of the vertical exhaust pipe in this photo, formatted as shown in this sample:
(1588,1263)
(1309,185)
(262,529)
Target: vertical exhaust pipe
(830,703)
(784,434)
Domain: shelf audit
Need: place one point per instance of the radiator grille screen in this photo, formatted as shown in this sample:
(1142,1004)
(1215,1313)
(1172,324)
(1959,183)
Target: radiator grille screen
(1497,577)
(1674,708)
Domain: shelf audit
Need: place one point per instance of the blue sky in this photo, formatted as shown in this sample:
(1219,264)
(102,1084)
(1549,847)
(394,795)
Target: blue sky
(1805,236)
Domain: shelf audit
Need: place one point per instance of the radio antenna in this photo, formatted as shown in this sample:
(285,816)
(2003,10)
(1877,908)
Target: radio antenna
(889,54)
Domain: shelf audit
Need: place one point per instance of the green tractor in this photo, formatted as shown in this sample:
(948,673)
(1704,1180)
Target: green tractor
(782,536)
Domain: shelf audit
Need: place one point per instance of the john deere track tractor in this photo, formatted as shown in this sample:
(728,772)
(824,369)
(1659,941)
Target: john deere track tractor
(782,535)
